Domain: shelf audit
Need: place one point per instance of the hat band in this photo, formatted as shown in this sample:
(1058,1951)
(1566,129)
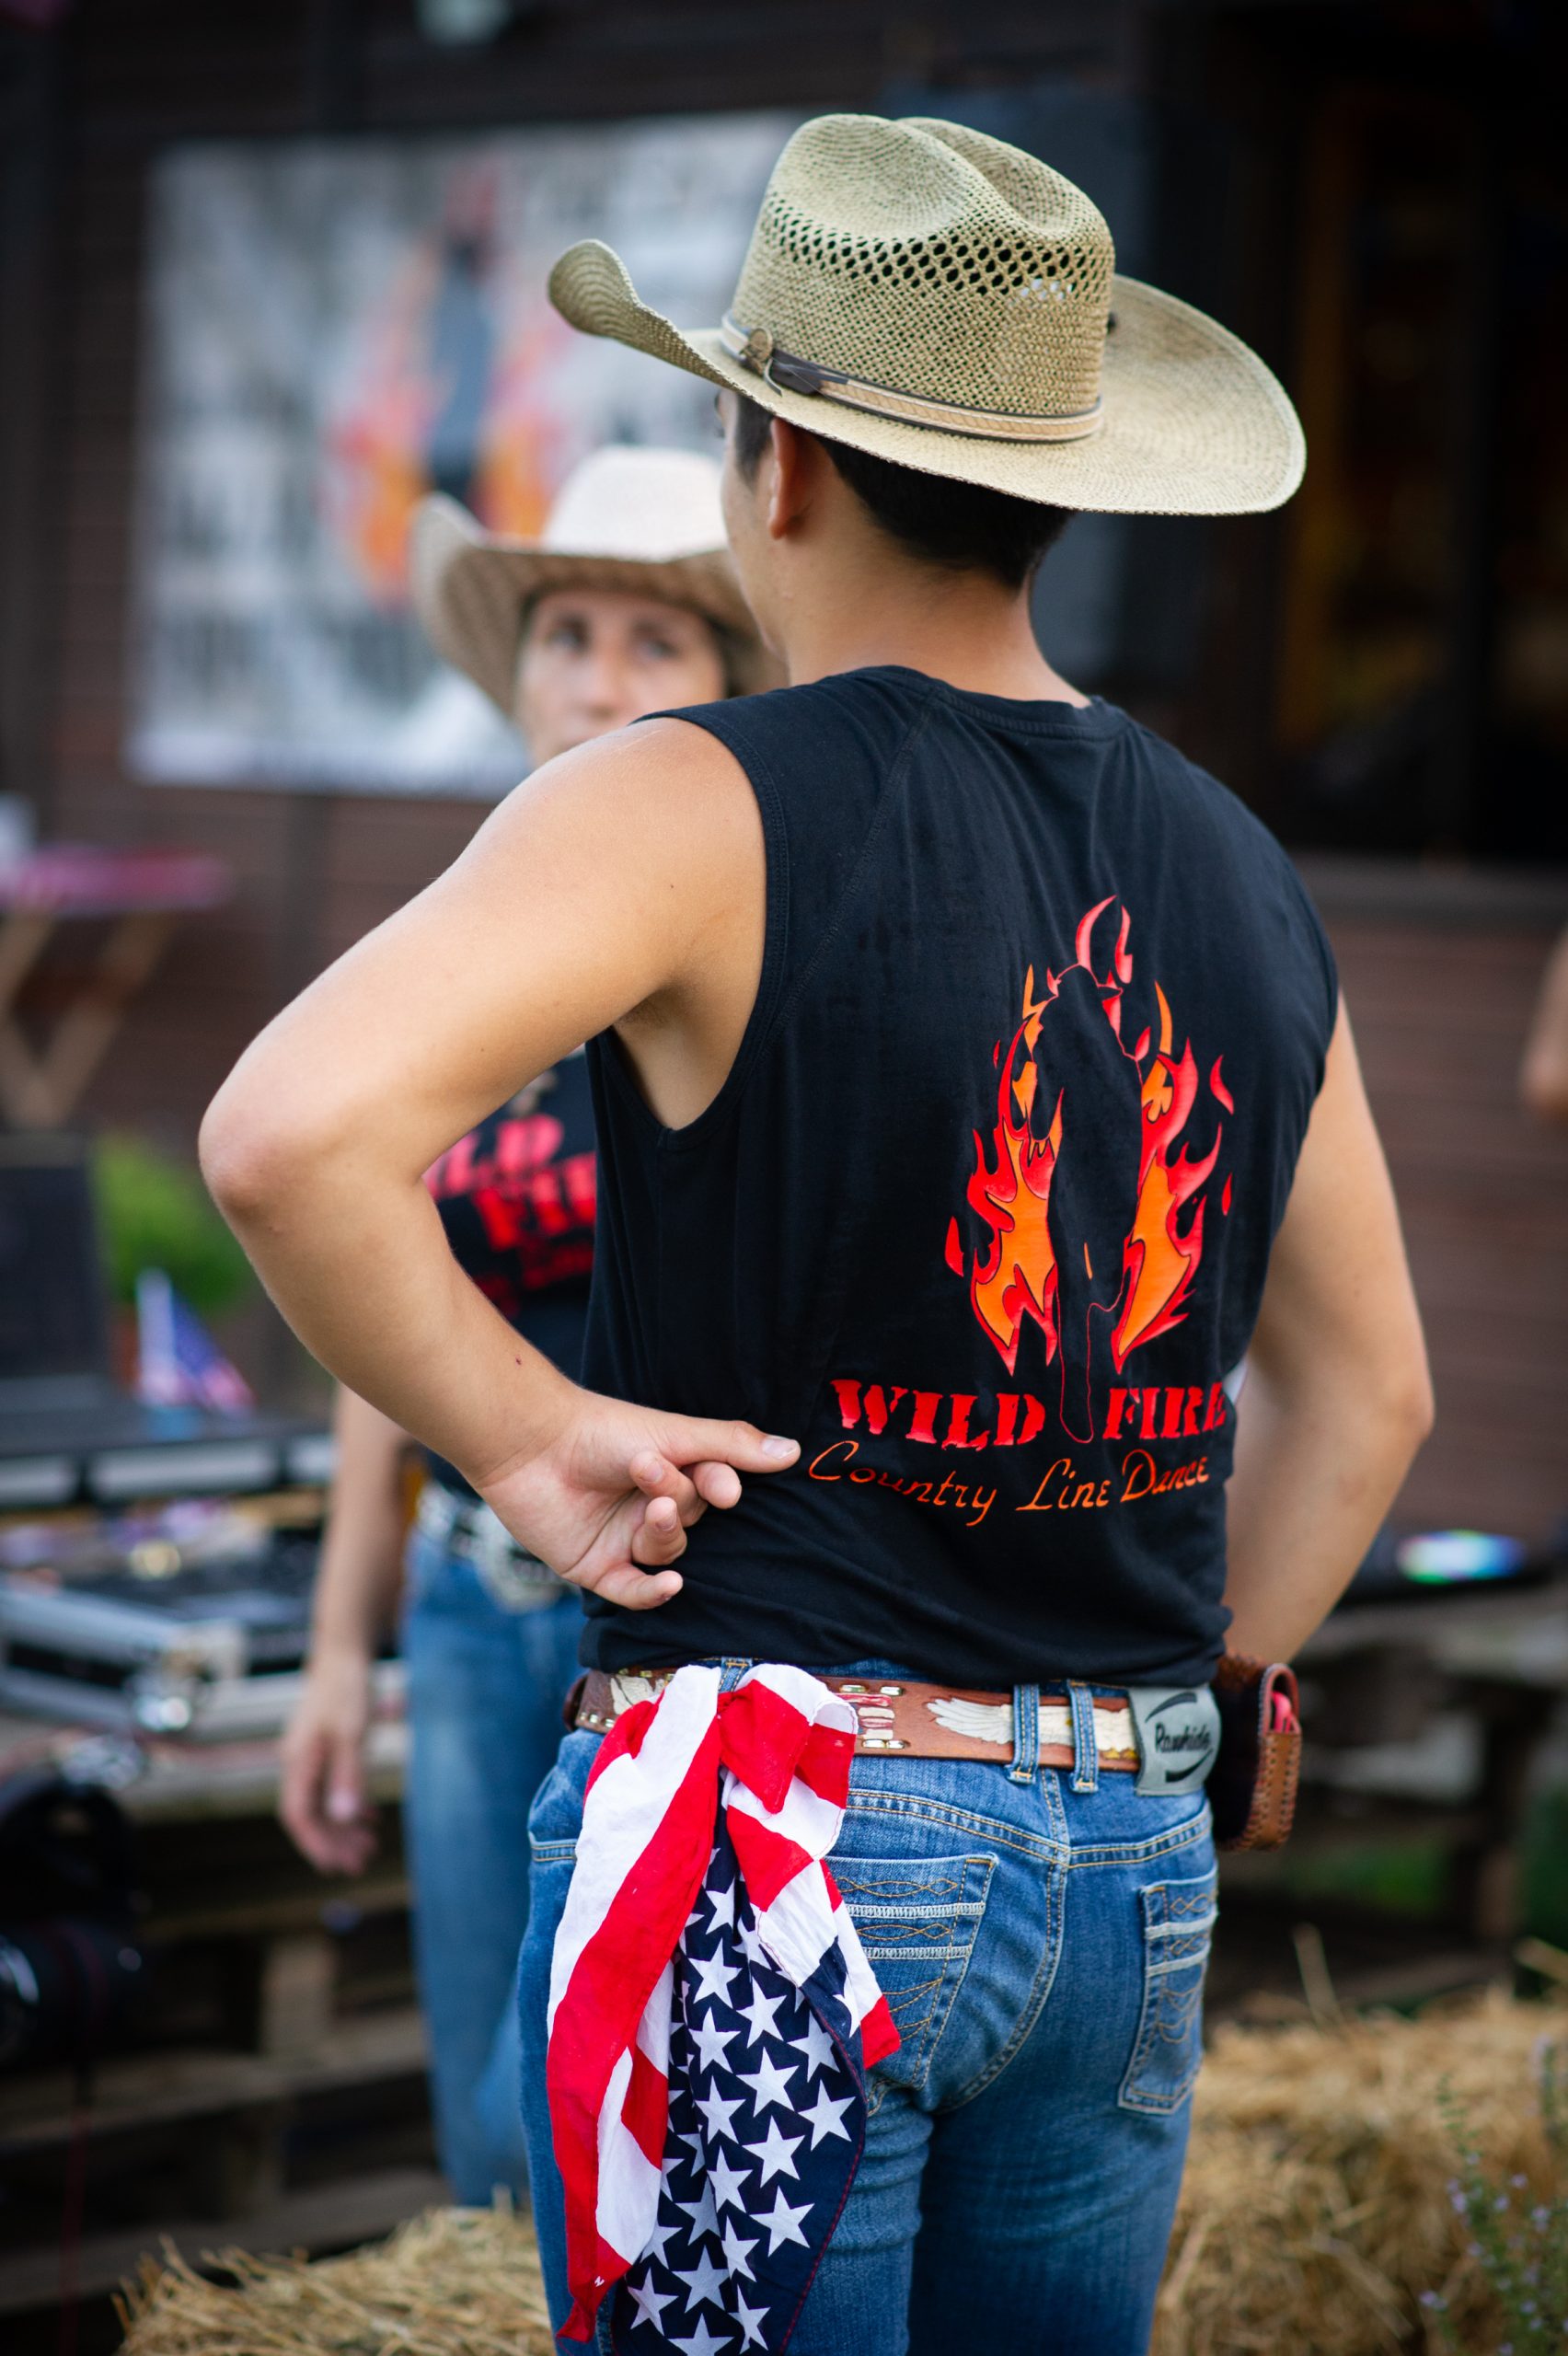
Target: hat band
(755,350)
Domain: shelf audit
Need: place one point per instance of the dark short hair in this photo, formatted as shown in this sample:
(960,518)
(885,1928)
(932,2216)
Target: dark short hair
(960,526)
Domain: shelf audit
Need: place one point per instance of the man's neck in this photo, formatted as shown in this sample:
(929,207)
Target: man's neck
(967,629)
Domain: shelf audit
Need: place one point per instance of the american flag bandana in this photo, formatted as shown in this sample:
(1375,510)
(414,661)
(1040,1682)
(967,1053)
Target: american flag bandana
(712,2016)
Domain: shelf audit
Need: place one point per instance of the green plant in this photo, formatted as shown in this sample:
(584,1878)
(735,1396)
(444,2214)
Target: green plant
(154,1212)
(1520,2246)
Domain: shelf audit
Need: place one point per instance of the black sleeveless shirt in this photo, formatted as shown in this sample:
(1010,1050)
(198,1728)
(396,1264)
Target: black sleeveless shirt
(982,1214)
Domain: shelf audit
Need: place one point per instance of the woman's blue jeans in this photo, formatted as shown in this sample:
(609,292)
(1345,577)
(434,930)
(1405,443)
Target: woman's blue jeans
(485,1690)
(1043,1945)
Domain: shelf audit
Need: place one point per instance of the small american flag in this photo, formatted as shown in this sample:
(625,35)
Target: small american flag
(712,2016)
(178,1362)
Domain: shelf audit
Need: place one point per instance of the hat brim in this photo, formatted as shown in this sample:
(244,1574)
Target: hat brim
(1194,424)
(472,589)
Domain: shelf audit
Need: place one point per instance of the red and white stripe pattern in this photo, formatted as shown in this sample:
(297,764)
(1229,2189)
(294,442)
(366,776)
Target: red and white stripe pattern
(776,1752)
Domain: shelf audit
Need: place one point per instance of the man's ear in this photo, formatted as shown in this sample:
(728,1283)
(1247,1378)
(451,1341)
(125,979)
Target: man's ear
(788,492)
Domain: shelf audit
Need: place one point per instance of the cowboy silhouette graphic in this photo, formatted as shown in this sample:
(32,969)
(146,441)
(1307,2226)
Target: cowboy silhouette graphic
(1090,1197)
(1085,1078)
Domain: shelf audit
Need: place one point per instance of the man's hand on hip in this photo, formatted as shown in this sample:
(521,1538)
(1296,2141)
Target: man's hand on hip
(608,1501)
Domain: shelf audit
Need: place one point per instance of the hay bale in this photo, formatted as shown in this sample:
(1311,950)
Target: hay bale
(455,2282)
(1315,2213)
(1316,2209)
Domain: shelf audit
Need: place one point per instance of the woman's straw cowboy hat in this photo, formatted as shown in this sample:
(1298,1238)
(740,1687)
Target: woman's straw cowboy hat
(647,522)
(934,296)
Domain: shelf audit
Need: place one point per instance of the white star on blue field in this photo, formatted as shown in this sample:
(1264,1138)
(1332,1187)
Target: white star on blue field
(768,2115)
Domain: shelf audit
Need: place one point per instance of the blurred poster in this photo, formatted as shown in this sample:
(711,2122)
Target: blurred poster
(336,327)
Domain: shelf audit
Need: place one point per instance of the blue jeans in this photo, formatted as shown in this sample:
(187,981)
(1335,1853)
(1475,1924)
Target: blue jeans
(1043,1947)
(484,1699)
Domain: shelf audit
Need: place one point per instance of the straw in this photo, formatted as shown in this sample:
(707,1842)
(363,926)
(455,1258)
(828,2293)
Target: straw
(1315,2213)
(455,2282)
(1316,2207)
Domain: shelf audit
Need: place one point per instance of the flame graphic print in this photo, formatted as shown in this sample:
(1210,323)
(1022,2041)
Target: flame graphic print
(1089,1195)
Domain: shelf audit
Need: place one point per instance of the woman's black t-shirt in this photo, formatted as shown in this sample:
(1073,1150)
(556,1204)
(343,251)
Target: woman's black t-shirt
(982,1211)
(517,1202)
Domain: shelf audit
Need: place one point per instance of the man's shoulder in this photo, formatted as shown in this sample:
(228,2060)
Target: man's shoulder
(1236,869)
(837,736)
(1206,799)
(657,797)
(882,689)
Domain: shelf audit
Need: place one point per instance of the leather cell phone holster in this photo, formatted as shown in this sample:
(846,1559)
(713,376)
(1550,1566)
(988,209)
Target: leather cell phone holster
(1253,1787)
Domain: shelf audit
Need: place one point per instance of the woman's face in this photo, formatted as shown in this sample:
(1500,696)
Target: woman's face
(597,659)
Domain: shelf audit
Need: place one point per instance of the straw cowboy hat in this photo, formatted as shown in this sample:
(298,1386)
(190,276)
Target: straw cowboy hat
(646,522)
(922,292)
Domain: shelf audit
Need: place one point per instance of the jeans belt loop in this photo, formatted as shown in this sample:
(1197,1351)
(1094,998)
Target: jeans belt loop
(1086,1741)
(1026,1733)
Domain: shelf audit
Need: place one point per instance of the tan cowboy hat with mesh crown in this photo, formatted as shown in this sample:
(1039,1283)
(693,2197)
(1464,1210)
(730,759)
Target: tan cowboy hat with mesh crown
(646,522)
(940,299)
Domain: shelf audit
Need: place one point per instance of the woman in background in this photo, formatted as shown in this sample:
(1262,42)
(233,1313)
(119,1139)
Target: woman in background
(626,605)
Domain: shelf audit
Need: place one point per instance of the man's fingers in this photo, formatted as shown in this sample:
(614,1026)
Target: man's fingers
(709,1483)
(656,1478)
(688,1440)
(660,1537)
(717,1485)
(637,1590)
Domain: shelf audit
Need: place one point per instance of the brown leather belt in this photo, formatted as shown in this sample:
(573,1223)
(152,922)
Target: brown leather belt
(922,1721)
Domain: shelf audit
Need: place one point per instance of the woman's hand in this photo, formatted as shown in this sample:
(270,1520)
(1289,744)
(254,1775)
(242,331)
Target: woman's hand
(323,1802)
(608,1500)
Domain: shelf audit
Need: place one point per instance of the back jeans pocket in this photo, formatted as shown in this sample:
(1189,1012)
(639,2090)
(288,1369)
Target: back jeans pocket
(1178,1924)
(918,1918)
(554,1818)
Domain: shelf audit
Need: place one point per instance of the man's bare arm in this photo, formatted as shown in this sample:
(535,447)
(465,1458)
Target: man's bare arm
(623,884)
(1337,1398)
